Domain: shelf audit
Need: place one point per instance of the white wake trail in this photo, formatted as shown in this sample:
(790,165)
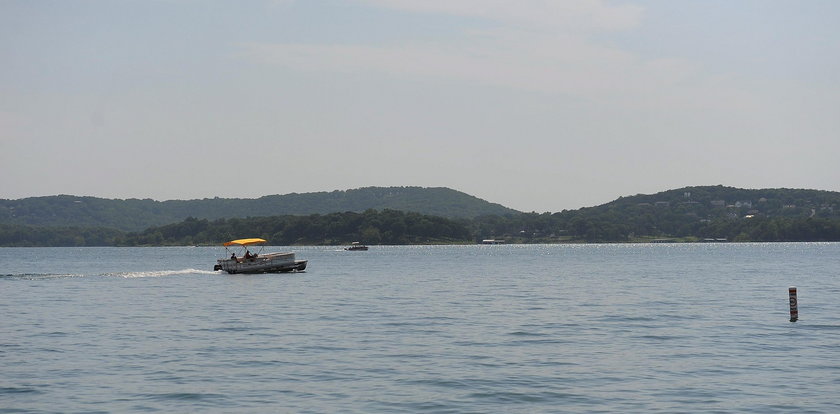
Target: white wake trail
(162,273)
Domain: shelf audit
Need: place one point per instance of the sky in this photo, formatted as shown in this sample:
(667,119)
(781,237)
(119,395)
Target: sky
(539,105)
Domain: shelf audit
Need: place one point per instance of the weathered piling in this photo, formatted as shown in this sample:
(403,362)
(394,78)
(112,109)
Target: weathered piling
(794,310)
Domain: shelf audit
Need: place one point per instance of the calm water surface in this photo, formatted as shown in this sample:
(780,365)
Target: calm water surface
(443,329)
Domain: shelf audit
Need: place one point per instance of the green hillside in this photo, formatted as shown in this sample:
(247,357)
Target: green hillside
(135,214)
(690,213)
(371,227)
(687,214)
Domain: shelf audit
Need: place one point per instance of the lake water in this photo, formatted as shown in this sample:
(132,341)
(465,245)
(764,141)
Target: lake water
(424,329)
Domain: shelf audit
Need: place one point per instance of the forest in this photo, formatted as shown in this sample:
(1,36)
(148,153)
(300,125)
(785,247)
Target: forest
(139,214)
(691,214)
(372,227)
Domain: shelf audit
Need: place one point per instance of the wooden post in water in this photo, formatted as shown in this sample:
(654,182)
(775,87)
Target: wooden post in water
(794,311)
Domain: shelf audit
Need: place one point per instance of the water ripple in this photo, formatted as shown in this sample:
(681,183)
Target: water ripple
(425,329)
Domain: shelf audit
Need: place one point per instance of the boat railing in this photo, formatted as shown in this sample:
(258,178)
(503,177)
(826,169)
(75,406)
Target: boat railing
(263,257)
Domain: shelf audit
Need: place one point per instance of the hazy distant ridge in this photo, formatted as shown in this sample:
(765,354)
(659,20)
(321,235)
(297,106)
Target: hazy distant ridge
(391,216)
(136,214)
(718,212)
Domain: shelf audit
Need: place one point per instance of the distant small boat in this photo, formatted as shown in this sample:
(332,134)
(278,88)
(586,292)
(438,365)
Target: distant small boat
(356,246)
(258,262)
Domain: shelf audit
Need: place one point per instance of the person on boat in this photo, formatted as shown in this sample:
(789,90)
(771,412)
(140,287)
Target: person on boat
(233,256)
(248,254)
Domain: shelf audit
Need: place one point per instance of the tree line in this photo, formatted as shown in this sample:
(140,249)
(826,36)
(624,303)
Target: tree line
(134,215)
(393,227)
(687,214)
(371,227)
(611,227)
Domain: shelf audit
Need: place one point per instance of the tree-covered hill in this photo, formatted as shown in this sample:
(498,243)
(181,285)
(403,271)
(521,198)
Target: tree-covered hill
(371,227)
(136,214)
(709,212)
(685,214)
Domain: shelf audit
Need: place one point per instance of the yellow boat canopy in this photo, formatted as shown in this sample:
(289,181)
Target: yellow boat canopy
(244,242)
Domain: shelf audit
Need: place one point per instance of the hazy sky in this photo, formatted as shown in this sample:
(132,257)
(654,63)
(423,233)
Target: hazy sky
(540,105)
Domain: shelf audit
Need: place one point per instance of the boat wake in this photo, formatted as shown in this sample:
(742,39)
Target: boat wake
(37,276)
(161,273)
(127,275)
